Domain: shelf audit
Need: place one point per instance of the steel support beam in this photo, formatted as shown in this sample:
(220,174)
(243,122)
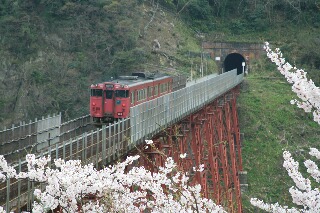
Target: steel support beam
(209,137)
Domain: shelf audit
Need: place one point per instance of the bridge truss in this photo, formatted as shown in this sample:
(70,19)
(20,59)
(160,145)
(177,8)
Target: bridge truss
(209,136)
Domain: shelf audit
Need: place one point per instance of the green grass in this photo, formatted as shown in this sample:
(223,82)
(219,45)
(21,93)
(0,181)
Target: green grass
(271,124)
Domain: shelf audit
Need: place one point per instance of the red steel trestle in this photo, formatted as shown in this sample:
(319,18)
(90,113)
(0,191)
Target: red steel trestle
(209,137)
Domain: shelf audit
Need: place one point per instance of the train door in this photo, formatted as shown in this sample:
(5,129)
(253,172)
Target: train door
(109,102)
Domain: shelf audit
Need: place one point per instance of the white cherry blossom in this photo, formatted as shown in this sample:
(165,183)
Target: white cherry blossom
(302,193)
(73,187)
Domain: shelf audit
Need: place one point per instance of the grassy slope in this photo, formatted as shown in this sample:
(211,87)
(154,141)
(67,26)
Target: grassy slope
(270,125)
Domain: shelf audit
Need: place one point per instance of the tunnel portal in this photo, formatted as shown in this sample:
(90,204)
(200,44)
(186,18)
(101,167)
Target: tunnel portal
(234,61)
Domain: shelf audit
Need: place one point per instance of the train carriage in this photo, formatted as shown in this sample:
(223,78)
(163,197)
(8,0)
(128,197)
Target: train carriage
(112,100)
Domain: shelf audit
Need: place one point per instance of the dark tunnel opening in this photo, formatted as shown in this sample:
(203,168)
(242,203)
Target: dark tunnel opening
(234,61)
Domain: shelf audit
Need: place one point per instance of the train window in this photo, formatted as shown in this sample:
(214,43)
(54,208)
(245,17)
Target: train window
(150,91)
(96,92)
(142,94)
(139,95)
(109,86)
(132,97)
(109,94)
(145,93)
(156,90)
(122,93)
(162,88)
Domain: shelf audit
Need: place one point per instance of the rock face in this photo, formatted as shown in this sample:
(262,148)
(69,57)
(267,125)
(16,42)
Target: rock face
(155,45)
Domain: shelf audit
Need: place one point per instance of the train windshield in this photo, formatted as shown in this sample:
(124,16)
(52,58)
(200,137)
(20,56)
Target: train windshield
(122,93)
(109,94)
(96,92)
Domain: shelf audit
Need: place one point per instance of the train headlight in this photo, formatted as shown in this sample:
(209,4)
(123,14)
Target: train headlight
(119,113)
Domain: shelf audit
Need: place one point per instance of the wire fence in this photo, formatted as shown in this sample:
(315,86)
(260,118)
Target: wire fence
(32,137)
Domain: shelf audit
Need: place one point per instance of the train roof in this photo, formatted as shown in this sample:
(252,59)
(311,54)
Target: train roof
(136,79)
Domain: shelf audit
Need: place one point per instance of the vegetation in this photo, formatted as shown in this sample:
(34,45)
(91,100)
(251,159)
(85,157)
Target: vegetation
(270,125)
(51,51)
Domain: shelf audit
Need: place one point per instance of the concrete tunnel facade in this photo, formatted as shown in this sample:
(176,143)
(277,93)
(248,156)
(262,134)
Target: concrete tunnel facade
(234,61)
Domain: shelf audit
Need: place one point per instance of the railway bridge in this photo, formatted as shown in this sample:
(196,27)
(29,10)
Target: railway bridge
(199,120)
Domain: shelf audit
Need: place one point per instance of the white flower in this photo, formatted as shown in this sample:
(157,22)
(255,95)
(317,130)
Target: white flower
(113,188)
(149,141)
(183,155)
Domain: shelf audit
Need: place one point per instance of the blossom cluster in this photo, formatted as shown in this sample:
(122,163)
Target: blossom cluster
(73,187)
(308,94)
(303,195)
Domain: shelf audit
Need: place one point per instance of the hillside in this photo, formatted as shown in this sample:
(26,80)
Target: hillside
(270,124)
(51,54)
(52,51)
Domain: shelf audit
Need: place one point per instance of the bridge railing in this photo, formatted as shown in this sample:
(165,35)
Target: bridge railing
(151,117)
(32,137)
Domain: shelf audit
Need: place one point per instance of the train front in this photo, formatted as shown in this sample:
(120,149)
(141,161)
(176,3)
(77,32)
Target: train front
(96,102)
(121,101)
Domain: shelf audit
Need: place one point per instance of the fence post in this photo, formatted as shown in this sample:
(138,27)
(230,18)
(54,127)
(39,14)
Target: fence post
(114,143)
(30,134)
(64,150)
(19,138)
(12,129)
(28,200)
(97,149)
(84,147)
(70,149)
(119,142)
(109,145)
(57,151)
(19,186)
(32,194)
(91,144)
(104,145)
(8,195)
(4,139)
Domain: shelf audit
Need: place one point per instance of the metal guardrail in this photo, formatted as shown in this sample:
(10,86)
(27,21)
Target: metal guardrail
(107,144)
(32,137)
(151,117)
(100,146)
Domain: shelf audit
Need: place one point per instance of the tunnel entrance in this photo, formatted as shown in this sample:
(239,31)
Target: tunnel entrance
(234,61)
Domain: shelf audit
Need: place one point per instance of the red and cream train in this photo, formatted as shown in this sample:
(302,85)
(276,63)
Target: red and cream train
(112,100)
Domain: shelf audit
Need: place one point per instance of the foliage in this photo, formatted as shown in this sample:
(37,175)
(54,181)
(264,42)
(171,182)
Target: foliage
(49,43)
(270,124)
(304,196)
(92,40)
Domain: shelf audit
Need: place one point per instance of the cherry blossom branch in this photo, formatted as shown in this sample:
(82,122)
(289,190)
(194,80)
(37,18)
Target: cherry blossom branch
(70,185)
(308,94)
(309,99)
